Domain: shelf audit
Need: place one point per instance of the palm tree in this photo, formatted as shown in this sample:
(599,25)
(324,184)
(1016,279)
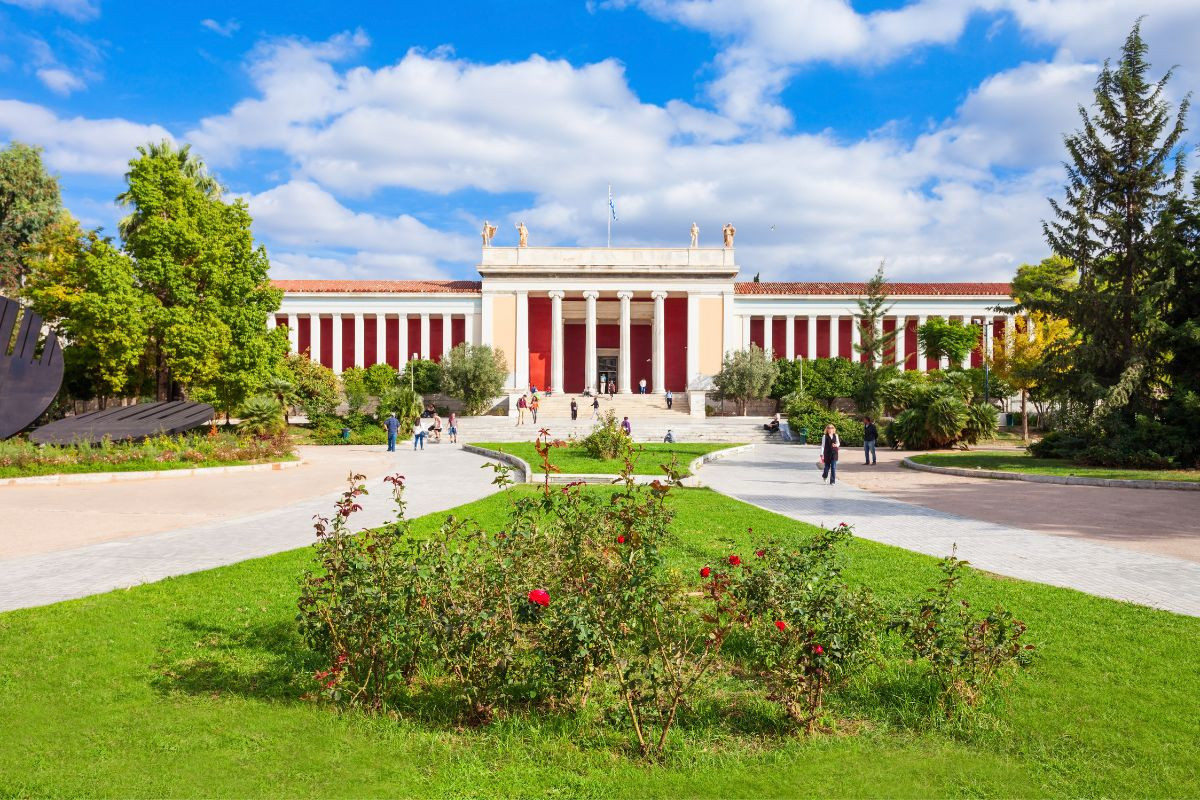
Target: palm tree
(284,392)
(192,166)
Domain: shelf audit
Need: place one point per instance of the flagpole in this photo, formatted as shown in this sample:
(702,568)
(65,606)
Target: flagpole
(608,214)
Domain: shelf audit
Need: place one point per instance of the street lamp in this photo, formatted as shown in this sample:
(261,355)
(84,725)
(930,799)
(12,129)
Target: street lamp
(412,378)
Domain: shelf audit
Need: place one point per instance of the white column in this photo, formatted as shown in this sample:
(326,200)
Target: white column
(589,353)
(556,340)
(314,337)
(522,363)
(469,329)
(447,333)
(966,362)
(812,337)
(746,332)
(380,338)
(989,328)
(424,343)
(769,334)
(293,334)
(660,343)
(337,344)
(901,332)
(693,339)
(402,351)
(271,321)
(835,339)
(623,371)
(789,337)
(855,337)
(360,345)
(921,357)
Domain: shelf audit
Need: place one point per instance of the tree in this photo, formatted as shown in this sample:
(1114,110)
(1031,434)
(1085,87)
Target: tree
(380,379)
(874,341)
(29,203)
(316,385)
(824,379)
(1026,362)
(423,375)
(1125,170)
(948,339)
(194,258)
(745,375)
(354,387)
(475,374)
(284,393)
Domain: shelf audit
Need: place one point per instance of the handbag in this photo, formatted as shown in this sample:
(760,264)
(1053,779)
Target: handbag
(821,462)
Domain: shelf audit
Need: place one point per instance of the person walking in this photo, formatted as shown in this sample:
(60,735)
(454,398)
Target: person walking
(642,386)
(574,410)
(596,408)
(533,408)
(418,435)
(612,389)
(522,404)
(453,428)
(830,443)
(670,399)
(870,436)
(625,426)
(393,426)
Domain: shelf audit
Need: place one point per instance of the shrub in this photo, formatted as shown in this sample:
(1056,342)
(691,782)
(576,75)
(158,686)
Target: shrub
(474,374)
(261,416)
(422,375)
(804,413)
(607,439)
(354,386)
(316,386)
(965,653)
(380,379)
(825,379)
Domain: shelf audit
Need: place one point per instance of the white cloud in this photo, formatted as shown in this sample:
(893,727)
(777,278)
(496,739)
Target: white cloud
(60,81)
(227,28)
(76,9)
(77,144)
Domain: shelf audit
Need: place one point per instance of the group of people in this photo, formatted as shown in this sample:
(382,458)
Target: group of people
(420,432)
(529,404)
(831,443)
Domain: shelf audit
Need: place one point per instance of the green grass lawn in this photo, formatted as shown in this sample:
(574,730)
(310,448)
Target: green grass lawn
(188,687)
(648,458)
(1023,462)
(140,465)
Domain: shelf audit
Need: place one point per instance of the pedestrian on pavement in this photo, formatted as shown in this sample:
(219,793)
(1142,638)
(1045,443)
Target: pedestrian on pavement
(642,386)
(612,389)
(669,438)
(870,436)
(418,435)
(453,428)
(596,408)
(670,399)
(625,426)
(830,443)
(435,428)
(533,407)
(393,425)
(574,410)
(522,404)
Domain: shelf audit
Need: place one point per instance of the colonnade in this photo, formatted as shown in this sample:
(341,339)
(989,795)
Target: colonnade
(421,348)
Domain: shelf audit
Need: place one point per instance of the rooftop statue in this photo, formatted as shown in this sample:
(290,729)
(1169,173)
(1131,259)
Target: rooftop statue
(728,231)
(695,235)
(489,230)
(523,233)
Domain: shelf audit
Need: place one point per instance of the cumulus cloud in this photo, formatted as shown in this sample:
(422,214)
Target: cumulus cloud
(59,80)
(76,9)
(77,144)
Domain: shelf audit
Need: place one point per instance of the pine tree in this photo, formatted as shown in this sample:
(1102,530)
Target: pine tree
(874,341)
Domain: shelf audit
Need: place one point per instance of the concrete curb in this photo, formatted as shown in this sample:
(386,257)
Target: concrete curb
(559,478)
(506,458)
(69,478)
(1059,479)
(700,461)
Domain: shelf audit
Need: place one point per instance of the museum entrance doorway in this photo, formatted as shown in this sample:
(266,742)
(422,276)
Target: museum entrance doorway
(606,372)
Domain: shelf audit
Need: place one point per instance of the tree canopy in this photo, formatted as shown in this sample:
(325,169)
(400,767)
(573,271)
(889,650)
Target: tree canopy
(29,204)
(745,375)
(475,374)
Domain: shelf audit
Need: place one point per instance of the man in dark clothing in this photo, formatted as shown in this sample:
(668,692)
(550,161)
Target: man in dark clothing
(574,409)
(393,425)
(870,435)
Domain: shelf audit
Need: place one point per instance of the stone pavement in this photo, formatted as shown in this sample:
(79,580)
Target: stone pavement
(783,479)
(438,478)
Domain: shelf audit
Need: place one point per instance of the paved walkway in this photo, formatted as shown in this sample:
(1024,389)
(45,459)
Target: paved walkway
(783,479)
(248,522)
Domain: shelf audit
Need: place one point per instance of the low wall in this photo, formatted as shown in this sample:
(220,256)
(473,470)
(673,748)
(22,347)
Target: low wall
(145,475)
(560,478)
(1069,480)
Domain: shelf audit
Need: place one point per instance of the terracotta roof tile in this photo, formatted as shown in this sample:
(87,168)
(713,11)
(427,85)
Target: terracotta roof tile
(398,287)
(854,289)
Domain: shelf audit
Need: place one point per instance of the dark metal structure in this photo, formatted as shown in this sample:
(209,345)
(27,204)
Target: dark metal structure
(31,368)
(126,423)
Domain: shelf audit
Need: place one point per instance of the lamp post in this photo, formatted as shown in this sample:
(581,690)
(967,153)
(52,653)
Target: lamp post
(412,378)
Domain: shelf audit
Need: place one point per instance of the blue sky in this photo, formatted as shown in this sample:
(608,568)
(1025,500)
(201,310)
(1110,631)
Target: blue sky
(372,140)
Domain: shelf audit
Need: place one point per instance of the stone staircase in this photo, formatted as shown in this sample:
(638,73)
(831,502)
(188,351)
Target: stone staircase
(646,407)
(648,428)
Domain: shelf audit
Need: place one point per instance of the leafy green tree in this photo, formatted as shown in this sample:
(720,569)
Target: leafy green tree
(1125,169)
(1180,232)
(1023,361)
(745,375)
(948,339)
(422,375)
(380,379)
(29,203)
(317,391)
(354,386)
(475,374)
(824,379)
(406,404)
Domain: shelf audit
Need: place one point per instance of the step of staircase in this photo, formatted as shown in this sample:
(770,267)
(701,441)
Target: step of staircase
(648,406)
(685,429)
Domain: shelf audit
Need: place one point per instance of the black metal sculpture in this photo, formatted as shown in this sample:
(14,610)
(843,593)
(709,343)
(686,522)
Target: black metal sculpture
(121,423)
(31,368)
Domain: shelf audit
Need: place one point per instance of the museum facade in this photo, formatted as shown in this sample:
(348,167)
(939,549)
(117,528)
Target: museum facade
(574,318)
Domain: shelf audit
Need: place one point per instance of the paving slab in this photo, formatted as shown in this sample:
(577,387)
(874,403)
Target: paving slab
(784,479)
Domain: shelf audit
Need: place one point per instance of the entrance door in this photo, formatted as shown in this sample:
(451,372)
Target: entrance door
(606,371)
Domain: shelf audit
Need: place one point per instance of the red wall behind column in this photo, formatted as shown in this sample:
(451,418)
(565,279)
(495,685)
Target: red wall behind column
(369,355)
(801,328)
(608,336)
(574,352)
(303,333)
(347,342)
(458,331)
(756,331)
(392,327)
(414,336)
(539,343)
(327,341)
(779,337)
(910,344)
(435,337)
(641,350)
(823,330)
(889,352)
(675,333)
(844,339)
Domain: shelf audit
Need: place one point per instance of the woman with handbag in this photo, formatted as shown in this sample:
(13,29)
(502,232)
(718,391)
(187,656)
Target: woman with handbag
(830,443)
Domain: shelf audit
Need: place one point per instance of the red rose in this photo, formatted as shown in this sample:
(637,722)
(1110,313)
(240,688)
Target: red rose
(621,539)
(735,560)
(540,596)
(760,553)
(705,572)
(781,625)
(818,649)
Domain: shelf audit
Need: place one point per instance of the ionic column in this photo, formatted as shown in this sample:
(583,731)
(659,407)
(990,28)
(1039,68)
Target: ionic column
(922,359)
(660,343)
(769,334)
(424,348)
(901,334)
(835,338)
(293,334)
(989,330)
(522,365)
(380,338)
(693,339)
(469,329)
(812,337)
(589,352)
(855,337)
(746,332)
(314,338)
(336,364)
(556,340)
(966,362)
(789,338)
(623,370)
(360,345)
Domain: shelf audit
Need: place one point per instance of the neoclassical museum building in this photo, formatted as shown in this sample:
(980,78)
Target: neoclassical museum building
(574,318)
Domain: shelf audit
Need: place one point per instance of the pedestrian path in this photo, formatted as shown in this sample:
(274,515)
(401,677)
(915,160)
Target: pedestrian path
(437,479)
(784,480)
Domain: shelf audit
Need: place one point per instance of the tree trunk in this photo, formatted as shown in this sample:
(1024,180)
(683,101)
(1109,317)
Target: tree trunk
(1024,416)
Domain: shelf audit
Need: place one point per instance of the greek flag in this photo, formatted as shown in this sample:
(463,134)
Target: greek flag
(610,202)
